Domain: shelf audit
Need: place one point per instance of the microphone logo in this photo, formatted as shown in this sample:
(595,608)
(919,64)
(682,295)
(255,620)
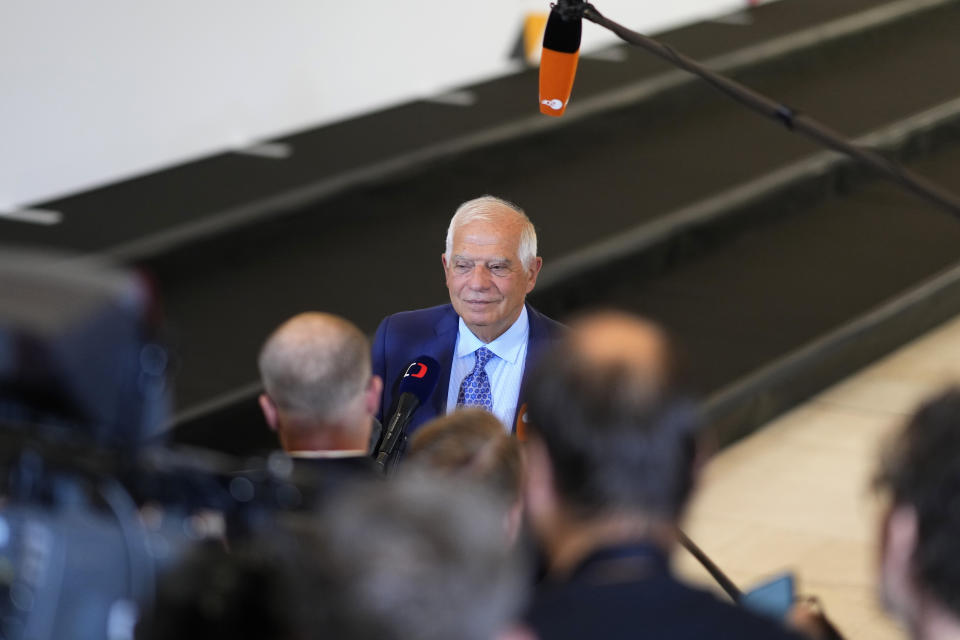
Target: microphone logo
(554,104)
(416,370)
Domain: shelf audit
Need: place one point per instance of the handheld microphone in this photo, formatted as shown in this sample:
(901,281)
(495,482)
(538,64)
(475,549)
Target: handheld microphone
(416,385)
(558,63)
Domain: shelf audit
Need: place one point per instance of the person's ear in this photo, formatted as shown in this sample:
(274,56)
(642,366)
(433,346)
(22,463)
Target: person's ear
(373,394)
(516,632)
(898,544)
(540,497)
(513,521)
(901,538)
(269,411)
(533,272)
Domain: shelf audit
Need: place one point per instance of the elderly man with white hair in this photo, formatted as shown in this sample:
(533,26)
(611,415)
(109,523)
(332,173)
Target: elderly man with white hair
(486,338)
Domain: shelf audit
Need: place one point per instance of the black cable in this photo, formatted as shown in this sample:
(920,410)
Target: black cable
(725,583)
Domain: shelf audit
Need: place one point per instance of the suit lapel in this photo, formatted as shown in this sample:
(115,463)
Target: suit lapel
(445,340)
(537,340)
(443,345)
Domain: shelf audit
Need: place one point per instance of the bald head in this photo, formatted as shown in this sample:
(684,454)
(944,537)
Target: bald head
(631,345)
(618,436)
(315,365)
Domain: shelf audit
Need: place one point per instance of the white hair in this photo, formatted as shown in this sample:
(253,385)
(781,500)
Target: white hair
(487,209)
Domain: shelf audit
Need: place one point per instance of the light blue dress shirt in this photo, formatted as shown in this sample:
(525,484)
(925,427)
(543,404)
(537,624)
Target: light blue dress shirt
(505,371)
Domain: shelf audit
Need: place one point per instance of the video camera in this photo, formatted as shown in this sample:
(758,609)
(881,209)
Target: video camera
(91,513)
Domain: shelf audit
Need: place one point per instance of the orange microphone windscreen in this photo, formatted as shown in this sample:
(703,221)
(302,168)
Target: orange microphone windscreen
(558,63)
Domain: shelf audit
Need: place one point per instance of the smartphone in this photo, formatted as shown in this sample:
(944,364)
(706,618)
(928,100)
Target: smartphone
(772,598)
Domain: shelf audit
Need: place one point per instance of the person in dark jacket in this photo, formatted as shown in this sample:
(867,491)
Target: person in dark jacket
(611,455)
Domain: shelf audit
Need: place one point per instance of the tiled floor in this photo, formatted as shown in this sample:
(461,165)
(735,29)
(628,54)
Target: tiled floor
(796,495)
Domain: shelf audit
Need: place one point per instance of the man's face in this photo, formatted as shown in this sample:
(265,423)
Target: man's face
(487,282)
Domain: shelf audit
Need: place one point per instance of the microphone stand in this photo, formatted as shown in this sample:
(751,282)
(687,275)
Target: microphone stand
(715,572)
(827,629)
(793,120)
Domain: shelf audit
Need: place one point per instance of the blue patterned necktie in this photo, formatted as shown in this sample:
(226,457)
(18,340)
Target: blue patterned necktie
(475,388)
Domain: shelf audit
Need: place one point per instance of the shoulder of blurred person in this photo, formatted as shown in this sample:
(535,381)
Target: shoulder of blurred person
(621,601)
(257,588)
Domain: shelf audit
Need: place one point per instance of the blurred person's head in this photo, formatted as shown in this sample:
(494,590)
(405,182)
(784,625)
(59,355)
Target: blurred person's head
(409,560)
(319,393)
(920,538)
(490,264)
(421,559)
(471,444)
(611,445)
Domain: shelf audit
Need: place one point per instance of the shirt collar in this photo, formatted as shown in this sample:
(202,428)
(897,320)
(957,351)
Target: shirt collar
(628,562)
(507,346)
(338,453)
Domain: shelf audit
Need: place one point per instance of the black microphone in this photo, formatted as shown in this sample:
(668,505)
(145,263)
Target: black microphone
(558,62)
(416,385)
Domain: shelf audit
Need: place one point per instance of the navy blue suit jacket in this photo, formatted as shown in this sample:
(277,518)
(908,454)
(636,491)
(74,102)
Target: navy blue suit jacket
(403,337)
